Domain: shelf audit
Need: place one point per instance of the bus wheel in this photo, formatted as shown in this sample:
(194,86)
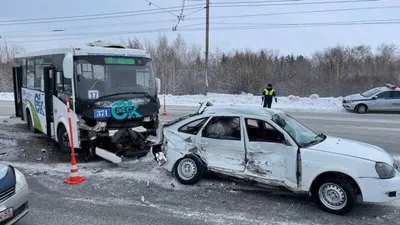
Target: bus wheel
(63,139)
(30,124)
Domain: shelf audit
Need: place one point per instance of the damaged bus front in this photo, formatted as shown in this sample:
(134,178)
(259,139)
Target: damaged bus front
(112,92)
(117,104)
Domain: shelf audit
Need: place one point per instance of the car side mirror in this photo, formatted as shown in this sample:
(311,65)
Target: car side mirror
(375,97)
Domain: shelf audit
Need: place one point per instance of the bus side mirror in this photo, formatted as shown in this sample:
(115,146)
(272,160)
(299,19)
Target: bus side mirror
(68,66)
(158,85)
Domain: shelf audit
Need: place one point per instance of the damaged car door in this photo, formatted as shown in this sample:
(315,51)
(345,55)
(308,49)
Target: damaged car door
(221,144)
(270,155)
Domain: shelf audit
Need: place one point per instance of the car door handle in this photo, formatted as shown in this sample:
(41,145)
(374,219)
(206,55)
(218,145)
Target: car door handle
(255,147)
(203,142)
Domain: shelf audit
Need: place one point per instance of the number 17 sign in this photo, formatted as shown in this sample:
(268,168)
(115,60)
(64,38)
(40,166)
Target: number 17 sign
(93,94)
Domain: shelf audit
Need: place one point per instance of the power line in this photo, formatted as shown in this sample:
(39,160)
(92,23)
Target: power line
(245,27)
(199,18)
(180,17)
(164,9)
(265,1)
(352,22)
(87,17)
(198,10)
(295,25)
(301,12)
(294,3)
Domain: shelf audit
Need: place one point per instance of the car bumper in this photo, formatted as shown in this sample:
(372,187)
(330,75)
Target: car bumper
(348,106)
(19,203)
(379,190)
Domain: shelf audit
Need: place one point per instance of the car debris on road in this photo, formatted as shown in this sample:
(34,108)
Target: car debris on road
(272,149)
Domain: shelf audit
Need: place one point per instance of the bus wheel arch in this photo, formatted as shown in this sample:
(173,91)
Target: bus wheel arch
(29,121)
(63,138)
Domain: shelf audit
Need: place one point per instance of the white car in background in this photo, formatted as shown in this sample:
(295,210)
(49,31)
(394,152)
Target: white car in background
(14,195)
(273,149)
(386,98)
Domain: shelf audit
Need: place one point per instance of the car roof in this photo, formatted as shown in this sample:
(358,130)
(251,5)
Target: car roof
(240,110)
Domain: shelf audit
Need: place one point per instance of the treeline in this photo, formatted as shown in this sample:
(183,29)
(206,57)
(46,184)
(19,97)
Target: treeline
(335,71)
(7,53)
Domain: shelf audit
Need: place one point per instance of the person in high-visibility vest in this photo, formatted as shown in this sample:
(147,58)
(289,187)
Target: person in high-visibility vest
(268,95)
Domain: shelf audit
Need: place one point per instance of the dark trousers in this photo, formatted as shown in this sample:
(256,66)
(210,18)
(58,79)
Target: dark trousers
(267,102)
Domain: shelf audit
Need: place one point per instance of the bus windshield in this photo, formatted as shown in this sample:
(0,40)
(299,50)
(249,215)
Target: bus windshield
(102,75)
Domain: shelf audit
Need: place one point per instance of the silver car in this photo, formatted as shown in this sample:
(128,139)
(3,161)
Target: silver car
(14,195)
(386,98)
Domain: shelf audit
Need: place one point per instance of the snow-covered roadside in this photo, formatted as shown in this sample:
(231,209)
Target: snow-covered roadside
(290,103)
(6,96)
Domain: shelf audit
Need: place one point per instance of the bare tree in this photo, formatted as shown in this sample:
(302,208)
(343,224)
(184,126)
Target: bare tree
(7,54)
(334,71)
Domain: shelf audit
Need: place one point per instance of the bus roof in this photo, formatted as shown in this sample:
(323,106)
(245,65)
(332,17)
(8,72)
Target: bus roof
(90,51)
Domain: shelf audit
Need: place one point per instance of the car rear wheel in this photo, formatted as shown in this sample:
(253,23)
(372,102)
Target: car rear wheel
(189,170)
(361,109)
(335,195)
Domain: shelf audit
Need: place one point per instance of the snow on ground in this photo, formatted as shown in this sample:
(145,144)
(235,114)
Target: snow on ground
(291,102)
(314,102)
(6,96)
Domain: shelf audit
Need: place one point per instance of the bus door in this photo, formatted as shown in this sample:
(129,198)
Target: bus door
(49,83)
(17,80)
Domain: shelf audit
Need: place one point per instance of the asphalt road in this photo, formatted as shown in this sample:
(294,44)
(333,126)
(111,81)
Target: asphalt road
(111,194)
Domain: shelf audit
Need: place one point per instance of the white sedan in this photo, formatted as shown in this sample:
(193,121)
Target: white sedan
(271,148)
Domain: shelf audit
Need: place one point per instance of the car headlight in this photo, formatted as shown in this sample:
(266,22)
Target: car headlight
(20,181)
(385,171)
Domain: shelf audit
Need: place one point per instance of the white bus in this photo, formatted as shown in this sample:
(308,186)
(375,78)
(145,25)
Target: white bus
(112,91)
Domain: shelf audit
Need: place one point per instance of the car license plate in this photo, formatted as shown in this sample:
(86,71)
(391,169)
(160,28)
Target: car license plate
(6,214)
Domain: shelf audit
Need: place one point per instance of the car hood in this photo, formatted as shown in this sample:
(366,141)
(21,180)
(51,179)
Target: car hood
(3,170)
(355,97)
(354,149)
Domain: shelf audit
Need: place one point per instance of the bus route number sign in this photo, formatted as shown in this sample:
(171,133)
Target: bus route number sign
(101,113)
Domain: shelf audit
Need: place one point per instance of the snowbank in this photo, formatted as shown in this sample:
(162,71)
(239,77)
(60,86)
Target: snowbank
(6,96)
(287,103)
(293,103)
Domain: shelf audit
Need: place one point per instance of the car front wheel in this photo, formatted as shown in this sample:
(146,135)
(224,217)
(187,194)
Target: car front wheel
(335,195)
(361,109)
(189,170)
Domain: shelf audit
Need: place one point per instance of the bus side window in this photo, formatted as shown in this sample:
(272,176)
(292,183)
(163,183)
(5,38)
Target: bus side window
(64,87)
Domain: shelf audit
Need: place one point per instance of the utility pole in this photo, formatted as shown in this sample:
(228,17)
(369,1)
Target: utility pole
(207,37)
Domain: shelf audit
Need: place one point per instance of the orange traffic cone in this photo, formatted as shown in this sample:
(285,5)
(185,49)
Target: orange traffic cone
(74,177)
(165,108)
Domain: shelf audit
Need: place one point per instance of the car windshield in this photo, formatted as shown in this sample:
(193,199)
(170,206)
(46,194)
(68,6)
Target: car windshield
(370,92)
(100,76)
(303,136)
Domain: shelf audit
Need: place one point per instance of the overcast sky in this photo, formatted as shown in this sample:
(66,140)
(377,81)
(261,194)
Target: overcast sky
(301,40)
